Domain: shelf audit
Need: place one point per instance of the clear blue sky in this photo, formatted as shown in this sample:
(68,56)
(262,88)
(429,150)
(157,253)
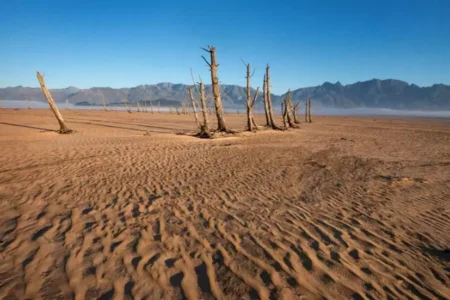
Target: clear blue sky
(87,43)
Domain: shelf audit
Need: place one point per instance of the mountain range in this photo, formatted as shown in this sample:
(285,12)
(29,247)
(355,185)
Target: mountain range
(390,93)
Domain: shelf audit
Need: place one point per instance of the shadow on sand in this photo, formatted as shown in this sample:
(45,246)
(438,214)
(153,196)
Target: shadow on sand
(27,126)
(89,122)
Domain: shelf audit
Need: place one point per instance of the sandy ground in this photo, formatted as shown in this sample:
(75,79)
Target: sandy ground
(343,208)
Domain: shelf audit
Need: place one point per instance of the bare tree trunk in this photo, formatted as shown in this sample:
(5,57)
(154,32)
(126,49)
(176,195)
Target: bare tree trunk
(289,109)
(282,109)
(251,124)
(266,107)
(221,126)
(178,113)
(138,106)
(159,104)
(103,102)
(145,106)
(283,113)
(193,108)
(306,111)
(269,100)
(125,101)
(294,112)
(63,129)
(249,108)
(67,104)
(151,105)
(204,129)
(309,110)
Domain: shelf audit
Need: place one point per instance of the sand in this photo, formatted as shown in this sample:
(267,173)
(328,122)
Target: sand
(342,208)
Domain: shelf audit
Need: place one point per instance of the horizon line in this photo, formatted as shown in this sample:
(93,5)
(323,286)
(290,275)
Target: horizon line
(225,84)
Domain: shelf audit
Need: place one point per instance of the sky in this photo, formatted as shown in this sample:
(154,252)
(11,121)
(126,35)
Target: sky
(88,43)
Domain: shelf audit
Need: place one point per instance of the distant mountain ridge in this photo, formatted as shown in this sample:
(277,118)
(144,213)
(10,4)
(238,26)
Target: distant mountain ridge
(377,93)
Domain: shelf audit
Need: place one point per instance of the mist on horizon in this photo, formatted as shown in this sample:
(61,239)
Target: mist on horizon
(316,110)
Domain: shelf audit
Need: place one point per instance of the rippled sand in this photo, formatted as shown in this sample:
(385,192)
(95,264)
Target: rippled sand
(341,208)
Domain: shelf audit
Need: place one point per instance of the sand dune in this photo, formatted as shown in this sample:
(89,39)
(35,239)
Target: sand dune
(344,208)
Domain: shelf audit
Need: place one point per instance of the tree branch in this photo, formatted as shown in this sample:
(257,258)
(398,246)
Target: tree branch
(193,81)
(255,96)
(207,62)
(205,49)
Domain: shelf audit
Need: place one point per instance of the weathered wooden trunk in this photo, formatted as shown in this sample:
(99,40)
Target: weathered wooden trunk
(269,100)
(221,126)
(63,129)
(194,108)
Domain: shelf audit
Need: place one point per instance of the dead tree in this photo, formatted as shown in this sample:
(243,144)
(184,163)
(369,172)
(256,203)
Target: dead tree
(204,128)
(159,105)
(221,126)
(251,124)
(283,113)
(288,111)
(138,106)
(266,107)
(306,111)
(191,95)
(103,102)
(151,105)
(125,101)
(269,100)
(63,129)
(294,112)
(67,104)
(309,110)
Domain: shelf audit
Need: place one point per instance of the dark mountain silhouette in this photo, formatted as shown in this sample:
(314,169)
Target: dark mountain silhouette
(377,93)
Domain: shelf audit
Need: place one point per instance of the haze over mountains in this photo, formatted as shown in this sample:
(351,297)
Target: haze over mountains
(375,93)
